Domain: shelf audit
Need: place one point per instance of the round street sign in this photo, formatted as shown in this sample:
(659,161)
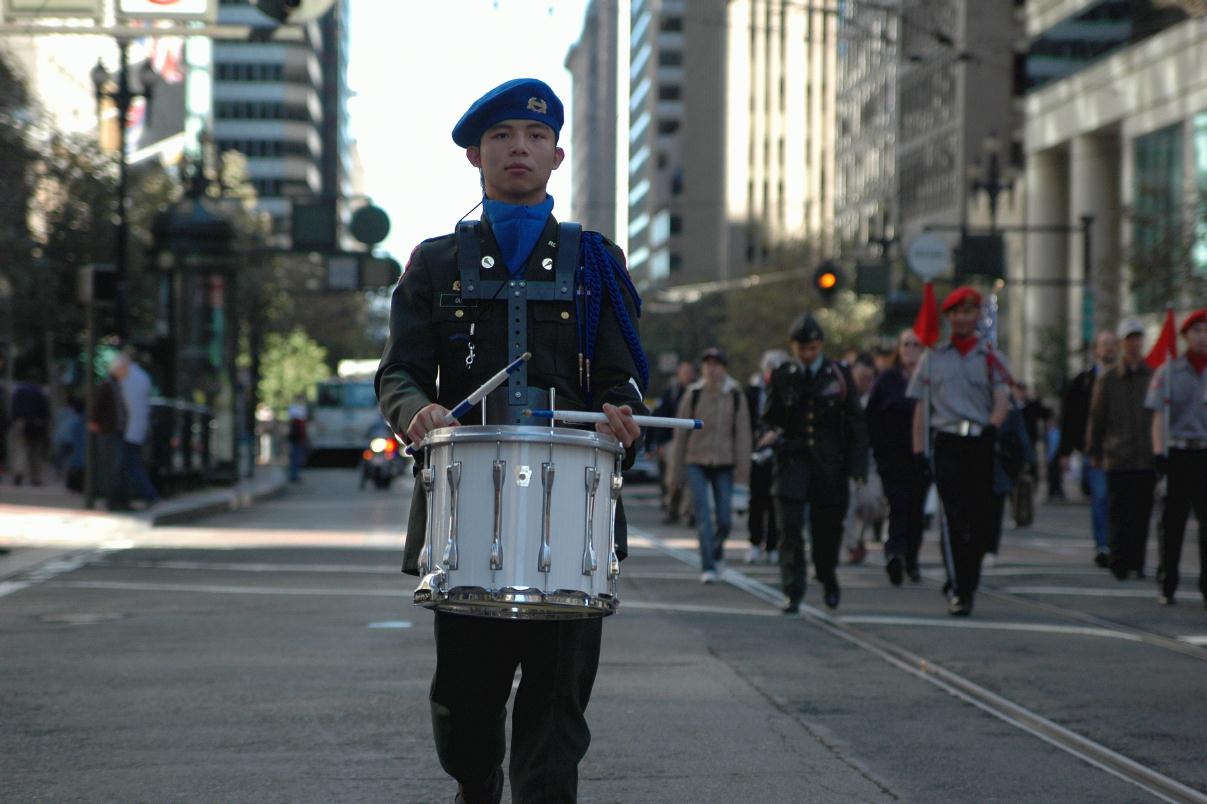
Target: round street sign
(370,225)
(928,255)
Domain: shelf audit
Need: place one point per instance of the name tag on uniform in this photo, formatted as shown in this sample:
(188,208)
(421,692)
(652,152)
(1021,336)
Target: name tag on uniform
(455,300)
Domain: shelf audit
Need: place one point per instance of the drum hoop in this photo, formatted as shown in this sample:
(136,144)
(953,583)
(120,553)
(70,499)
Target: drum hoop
(513,433)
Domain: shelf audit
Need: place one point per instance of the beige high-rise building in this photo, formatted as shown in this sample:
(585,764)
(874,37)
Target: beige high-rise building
(592,63)
(731,135)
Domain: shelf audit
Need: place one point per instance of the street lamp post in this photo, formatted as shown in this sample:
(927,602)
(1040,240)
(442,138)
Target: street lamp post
(993,180)
(122,97)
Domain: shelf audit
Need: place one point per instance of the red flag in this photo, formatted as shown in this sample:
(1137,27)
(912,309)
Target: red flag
(1166,345)
(926,325)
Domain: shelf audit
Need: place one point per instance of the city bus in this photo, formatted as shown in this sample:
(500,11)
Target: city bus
(344,409)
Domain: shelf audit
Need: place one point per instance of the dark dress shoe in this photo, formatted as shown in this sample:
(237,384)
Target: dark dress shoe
(1102,560)
(958,607)
(894,570)
(1166,600)
(791,607)
(831,597)
(489,793)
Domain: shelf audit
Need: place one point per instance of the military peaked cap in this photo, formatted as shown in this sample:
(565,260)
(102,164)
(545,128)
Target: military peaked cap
(805,328)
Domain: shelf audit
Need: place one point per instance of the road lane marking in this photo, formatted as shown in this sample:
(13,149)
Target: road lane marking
(134,586)
(48,570)
(230,566)
(1074,591)
(390,624)
(1096,754)
(992,625)
(1195,640)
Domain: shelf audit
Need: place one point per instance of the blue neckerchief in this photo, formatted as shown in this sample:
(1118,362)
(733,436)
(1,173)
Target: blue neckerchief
(517,228)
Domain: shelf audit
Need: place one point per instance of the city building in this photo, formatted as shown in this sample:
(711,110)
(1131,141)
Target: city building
(955,91)
(865,149)
(592,63)
(1116,129)
(282,103)
(731,136)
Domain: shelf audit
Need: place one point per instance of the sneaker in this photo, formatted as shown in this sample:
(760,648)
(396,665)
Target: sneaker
(791,607)
(957,607)
(1166,600)
(1102,559)
(754,555)
(990,560)
(708,576)
(773,557)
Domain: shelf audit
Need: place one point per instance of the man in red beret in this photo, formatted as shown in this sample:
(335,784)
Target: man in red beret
(1180,447)
(968,402)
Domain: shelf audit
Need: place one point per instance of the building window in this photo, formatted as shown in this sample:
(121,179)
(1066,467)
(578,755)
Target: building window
(668,126)
(1156,217)
(1198,250)
(670,58)
(669,92)
(671,23)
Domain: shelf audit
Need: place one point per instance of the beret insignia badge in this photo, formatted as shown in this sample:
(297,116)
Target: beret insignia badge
(537,105)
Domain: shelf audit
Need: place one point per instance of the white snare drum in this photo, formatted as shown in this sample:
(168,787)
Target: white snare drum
(521,522)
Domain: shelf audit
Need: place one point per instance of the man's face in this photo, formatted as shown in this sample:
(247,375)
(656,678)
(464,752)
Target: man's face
(863,375)
(1106,349)
(1196,338)
(714,370)
(963,318)
(516,158)
(686,373)
(1133,348)
(806,353)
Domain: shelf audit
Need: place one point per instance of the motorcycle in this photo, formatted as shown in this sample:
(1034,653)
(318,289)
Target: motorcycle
(382,461)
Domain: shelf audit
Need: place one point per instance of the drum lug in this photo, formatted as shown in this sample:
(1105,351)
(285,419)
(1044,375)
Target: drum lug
(614,495)
(544,561)
(426,478)
(496,546)
(431,588)
(452,556)
(590,562)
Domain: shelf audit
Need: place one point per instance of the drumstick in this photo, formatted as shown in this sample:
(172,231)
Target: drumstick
(485,388)
(588,417)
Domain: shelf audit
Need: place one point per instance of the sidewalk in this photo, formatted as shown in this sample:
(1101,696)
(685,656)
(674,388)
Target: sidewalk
(39,523)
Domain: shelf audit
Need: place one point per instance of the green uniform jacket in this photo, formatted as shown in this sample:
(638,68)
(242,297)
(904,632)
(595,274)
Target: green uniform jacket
(425,355)
(824,436)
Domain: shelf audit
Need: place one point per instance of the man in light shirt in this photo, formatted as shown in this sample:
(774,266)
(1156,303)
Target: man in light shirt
(129,475)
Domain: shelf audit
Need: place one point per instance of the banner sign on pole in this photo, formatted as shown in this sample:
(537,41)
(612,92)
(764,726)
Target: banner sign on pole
(57,9)
(197,10)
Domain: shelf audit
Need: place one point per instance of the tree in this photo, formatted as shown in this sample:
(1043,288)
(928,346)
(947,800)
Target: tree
(291,365)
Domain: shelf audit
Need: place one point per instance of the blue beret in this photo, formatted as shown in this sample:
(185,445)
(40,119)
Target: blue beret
(518,99)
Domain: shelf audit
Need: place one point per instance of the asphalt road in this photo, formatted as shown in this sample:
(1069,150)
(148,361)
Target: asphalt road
(273,654)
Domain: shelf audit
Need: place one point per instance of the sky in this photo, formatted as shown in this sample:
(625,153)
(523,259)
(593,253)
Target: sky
(415,67)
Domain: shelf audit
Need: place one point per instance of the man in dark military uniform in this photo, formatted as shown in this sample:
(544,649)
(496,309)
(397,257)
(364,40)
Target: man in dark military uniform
(1181,452)
(816,423)
(468,304)
(968,403)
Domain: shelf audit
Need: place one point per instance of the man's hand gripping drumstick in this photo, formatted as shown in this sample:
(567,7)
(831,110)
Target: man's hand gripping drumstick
(433,416)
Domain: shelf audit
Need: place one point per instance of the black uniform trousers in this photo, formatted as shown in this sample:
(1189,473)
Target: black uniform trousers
(1130,502)
(761,520)
(825,537)
(964,479)
(476,660)
(906,494)
(1186,489)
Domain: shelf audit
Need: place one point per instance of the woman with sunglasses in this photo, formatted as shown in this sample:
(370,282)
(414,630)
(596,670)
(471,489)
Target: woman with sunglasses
(890,415)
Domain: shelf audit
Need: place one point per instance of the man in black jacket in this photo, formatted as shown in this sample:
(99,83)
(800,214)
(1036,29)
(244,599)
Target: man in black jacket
(1074,416)
(451,328)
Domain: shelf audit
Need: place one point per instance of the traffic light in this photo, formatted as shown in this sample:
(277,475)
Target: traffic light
(827,280)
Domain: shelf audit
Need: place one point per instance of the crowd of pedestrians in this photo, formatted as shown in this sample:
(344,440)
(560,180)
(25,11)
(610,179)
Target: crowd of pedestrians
(42,438)
(937,431)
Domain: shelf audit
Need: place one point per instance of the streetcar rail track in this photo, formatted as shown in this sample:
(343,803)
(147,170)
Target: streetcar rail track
(1112,762)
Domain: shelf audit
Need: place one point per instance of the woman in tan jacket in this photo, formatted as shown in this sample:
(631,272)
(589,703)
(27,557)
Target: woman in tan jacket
(715,457)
